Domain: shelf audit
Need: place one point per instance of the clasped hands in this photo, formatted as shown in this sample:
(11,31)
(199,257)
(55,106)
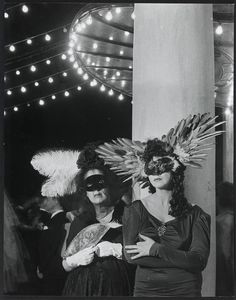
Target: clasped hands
(141,248)
(86,256)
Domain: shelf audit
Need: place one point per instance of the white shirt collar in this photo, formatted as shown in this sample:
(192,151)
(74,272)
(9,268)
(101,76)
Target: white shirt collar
(56,212)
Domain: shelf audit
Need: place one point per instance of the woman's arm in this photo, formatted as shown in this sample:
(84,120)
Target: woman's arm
(195,259)
(132,222)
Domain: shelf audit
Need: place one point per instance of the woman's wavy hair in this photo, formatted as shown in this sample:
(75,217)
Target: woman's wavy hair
(89,160)
(179,205)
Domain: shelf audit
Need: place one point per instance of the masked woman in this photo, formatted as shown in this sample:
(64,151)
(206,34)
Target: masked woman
(164,235)
(99,270)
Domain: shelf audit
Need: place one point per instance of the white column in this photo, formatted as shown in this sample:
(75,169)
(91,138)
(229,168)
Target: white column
(173,76)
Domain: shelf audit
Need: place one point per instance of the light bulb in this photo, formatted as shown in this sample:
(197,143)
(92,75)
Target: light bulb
(79,88)
(102,88)
(28,104)
(227,111)
(111,38)
(63,56)
(80,71)
(6,15)
(53,97)
(105,72)
(113,77)
(48,61)
(121,97)
(9,92)
(72,58)
(32,68)
(108,59)
(70,51)
(88,60)
(130,67)
(75,65)
(78,28)
(64,74)
(117,73)
(64,29)
(29,41)
(71,44)
(36,83)
(25,8)
(123,83)
(41,102)
(47,37)
(15,108)
(133,15)
(108,16)
(73,36)
(121,52)
(118,10)
(12,48)
(126,33)
(23,89)
(50,80)
(95,45)
(111,92)
(85,76)
(219,30)
(67,94)
(17,72)
(5,113)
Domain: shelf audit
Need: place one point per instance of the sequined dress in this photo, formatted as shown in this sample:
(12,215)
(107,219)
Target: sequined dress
(176,259)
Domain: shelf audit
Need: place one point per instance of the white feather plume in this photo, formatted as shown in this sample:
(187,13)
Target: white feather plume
(60,167)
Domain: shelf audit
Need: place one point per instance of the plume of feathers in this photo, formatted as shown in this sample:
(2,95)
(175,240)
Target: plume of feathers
(186,142)
(60,167)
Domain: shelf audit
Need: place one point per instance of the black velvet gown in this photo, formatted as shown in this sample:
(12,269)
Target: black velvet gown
(178,256)
(105,276)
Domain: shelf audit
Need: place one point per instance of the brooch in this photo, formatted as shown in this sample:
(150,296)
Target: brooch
(161,230)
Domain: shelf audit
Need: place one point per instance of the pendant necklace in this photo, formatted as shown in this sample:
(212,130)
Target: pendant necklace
(161,229)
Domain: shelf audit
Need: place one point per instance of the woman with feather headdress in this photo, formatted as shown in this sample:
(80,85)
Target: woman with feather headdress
(164,235)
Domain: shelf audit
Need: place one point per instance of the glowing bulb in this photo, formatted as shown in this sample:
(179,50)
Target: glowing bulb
(88,60)
(123,83)
(64,74)
(53,97)
(70,51)
(133,15)
(108,16)
(118,10)
(23,89)
(64,29)
(111,38)
(25,8)
(47,37)
(50,80)
(93,63)
(28,104)
(108,59)
(75,65)
(48,61)
(41,102)
(83,54)
(36,83)
(79,88)
(94,82)
(105,72)
(15,108)
(219,30)
(85,76)
(80,71)
(6,15)
(67,94)
(130,67)
(117,73)
(9,92)
(78,28)
(32,68)
(121,97)
(89,21)
(110,92)
(17,72)
(126,33)
(102,88)
(95,45)
(12,48)
(71,44)
(113,77)
(5,113)
(121,52)
(227,111)
(63,56)
(29,41)
(73,37)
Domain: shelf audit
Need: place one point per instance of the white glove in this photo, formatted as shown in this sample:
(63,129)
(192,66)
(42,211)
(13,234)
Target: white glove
(107,249)
(81,258)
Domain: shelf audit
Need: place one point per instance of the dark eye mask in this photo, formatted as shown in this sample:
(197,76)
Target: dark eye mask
(95,183)
(162,165)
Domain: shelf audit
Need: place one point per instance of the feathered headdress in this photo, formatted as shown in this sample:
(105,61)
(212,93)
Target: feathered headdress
(60,167)
(184,143)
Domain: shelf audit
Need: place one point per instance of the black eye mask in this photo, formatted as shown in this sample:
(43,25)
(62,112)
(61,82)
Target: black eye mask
(162,165)
(95,183)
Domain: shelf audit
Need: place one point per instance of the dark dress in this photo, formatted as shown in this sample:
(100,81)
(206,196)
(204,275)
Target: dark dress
(49,246)
(105,276)
(178,256)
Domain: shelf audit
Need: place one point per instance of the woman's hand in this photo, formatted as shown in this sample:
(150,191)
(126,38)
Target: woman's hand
(141,248)
(81,258)
(109,249)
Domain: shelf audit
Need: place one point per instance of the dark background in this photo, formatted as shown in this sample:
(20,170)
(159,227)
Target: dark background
(67,122)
